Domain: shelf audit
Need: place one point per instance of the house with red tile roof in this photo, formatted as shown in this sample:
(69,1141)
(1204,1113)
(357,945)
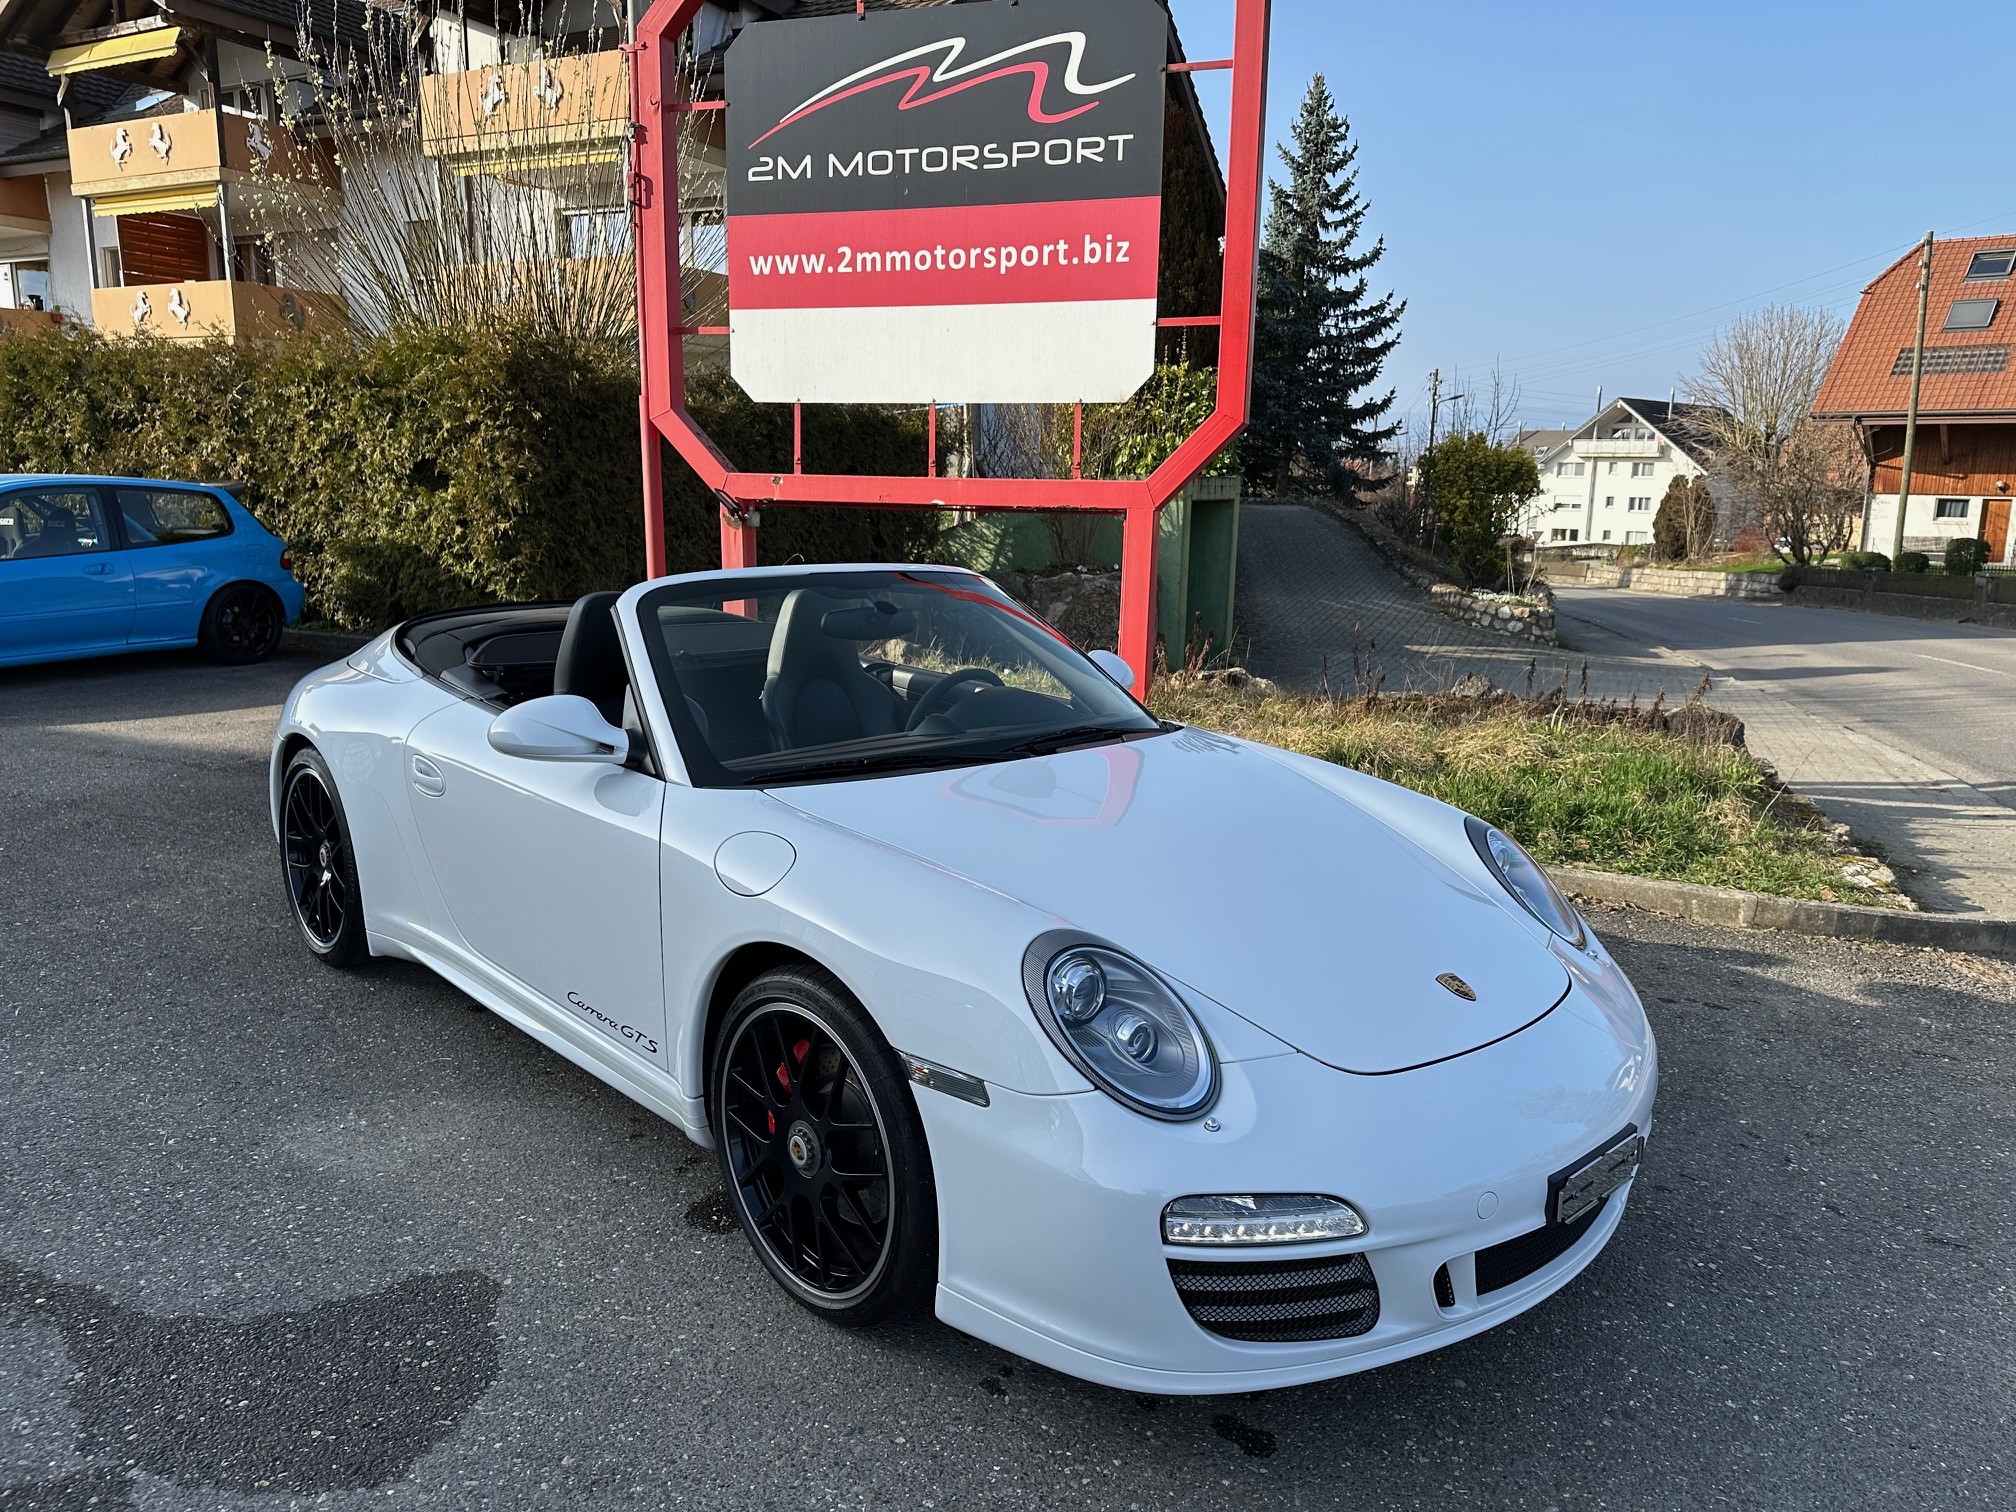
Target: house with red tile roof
(1964,469)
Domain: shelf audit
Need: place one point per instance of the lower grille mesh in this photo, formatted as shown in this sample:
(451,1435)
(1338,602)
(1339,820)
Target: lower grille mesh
(1517,1258)
(1280,1301)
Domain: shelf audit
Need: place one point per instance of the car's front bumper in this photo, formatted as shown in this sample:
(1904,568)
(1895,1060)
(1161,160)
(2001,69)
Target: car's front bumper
(1050,1207)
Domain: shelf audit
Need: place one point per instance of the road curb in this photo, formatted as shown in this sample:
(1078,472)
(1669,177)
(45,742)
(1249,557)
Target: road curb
(1734,909)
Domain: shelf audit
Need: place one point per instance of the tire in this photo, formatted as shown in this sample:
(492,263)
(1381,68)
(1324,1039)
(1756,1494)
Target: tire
(318,864)
(241,624)
(805,1097)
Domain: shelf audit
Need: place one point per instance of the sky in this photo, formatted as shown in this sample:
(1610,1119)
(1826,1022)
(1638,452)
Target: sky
(1583,193)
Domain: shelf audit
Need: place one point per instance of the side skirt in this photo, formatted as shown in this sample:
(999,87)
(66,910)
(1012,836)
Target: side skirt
(556,1031)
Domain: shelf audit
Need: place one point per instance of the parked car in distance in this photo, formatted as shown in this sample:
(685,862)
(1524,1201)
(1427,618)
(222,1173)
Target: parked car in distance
(1171,1061)
(90,566)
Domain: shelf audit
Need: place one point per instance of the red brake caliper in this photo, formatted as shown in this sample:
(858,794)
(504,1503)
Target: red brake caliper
(798,1053)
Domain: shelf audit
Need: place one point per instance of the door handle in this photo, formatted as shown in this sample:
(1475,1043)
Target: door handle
(99,569)
(427,778)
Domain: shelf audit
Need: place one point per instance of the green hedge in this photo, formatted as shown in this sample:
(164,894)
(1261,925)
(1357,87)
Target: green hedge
(427,469)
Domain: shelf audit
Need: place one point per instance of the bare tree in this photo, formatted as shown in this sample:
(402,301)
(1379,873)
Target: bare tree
(522,217)
(1488,407)
(1758,379)
(1812,498)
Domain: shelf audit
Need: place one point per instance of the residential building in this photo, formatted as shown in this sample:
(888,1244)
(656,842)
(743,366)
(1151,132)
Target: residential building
(150,182)
(171,198)
(1603,481)
(1964,467)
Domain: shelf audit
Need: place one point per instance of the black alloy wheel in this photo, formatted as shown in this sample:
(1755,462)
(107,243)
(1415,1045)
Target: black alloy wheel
(242,623)
(822,1149)
(318,863)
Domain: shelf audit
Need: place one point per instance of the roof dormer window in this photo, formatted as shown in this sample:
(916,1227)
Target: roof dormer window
(1985,266)
(1972,314)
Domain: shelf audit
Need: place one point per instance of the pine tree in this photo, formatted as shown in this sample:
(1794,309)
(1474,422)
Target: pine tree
(1671,525)
(1322,339)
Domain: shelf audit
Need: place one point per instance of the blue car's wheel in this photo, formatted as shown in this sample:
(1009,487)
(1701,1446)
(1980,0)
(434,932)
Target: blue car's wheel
(241,623)
(319,865)
(822,1149)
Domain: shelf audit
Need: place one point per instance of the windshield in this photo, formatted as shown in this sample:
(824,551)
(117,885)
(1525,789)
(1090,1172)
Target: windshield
(825,676)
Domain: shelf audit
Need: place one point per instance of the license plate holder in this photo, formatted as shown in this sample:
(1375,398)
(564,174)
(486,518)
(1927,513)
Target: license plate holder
(1585,1186)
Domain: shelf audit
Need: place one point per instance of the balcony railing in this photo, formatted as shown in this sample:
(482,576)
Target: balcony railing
(550,113)
(1617,448)
(213,310)
(29,322)
(181,161)
(24,206)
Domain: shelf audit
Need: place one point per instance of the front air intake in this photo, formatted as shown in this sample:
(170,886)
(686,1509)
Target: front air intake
(1280,1301)
(1517,1258)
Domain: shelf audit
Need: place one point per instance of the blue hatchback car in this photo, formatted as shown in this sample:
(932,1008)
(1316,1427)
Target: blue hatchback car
(90,566)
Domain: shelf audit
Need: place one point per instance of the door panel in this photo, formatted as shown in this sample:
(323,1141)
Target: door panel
(1995,529)
(177,543)
(63,590)
(549,872)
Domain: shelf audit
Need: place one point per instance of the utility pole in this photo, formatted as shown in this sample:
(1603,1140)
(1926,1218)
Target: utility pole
(1434,404)
(1911,413)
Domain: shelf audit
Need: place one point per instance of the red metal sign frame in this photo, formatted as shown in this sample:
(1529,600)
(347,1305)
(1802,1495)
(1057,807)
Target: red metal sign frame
(656,106)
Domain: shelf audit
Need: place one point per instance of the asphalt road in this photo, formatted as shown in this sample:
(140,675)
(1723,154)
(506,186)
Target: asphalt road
(1944,693)
(276,1236)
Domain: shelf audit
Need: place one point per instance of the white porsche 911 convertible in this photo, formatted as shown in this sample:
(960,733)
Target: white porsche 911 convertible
(1172,1061)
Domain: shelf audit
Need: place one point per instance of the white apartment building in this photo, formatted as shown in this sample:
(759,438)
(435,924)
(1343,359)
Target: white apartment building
(1603,482)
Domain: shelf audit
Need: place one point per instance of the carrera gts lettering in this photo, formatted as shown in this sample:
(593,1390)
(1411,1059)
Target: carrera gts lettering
(588,1010)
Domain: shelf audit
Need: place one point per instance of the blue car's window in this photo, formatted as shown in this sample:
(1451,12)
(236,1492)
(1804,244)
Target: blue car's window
(168,516)
(50,522)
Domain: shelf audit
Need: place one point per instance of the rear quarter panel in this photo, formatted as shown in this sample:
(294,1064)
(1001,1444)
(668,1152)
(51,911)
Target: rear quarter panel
(173,584)
(359,722)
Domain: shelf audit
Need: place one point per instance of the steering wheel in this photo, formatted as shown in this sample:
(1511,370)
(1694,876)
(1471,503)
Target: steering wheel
(946,693)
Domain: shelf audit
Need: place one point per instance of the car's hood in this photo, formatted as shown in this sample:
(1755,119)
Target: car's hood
(1240,877)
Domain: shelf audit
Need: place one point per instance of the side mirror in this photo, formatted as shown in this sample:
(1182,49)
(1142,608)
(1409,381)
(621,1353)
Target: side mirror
(564,727)
(1114,668)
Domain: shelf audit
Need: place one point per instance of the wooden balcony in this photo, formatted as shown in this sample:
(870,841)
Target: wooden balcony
(213,310)
(529,119)
(24,206)
(29,322)
(180,162)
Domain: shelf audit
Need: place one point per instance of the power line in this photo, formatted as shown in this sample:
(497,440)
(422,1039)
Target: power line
(1564,365)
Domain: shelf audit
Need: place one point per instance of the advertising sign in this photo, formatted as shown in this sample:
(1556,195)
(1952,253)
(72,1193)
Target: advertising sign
(961,203)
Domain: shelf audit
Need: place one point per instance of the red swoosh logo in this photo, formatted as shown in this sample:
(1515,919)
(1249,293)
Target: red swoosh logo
(920,78)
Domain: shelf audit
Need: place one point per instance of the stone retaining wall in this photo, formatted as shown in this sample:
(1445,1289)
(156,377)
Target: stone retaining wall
(1682,582)
(1528,621)
(1907,606)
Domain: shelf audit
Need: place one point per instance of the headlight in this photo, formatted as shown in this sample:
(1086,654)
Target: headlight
(1275,1219)
(1522,877)
(1122,1025)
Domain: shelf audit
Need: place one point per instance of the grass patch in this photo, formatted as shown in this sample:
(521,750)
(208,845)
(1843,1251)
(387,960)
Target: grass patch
(1652,793)
(1751,564)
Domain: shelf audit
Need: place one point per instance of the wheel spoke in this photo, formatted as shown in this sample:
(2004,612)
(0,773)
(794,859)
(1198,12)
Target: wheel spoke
(859,1266)
(749,1129)
(860,1214)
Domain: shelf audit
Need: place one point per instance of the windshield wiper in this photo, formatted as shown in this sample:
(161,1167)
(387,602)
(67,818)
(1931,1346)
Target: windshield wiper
(1050,742)
(886,763)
